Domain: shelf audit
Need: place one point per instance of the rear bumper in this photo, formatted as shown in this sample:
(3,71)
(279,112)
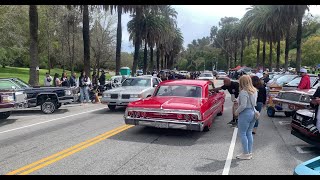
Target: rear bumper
(168,124)
(118,102)
(6,107)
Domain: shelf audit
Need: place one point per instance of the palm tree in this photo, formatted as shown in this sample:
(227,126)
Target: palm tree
(34,61)
(120,10)
(299,13)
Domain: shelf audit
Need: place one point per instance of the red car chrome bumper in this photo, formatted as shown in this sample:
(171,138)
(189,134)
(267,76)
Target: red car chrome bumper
(169,124)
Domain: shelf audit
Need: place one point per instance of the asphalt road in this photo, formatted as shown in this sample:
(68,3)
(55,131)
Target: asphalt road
(92,140)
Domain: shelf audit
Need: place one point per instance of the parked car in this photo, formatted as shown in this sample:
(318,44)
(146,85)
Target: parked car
(132,89)
(310,167)
(303,130)
(293,84)
(291,101)
(222,75)
(48,98)
(184,73)
(139,73)
(178,104)
(6,104)
(206,76)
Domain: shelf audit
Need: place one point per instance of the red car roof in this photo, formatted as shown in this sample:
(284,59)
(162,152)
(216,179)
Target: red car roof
(185,82)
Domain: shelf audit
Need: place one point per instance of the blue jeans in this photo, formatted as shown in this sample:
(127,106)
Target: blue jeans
(245,125)
(258,108)
(84,92)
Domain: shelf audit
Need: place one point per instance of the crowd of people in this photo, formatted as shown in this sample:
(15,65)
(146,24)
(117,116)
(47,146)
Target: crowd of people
(83,84)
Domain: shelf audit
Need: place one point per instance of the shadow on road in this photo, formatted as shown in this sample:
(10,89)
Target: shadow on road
(214,165)
(170,137)
(36,112)
(7,121)
(107,111)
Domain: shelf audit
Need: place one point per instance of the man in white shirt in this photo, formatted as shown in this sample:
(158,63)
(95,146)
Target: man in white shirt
(47,80)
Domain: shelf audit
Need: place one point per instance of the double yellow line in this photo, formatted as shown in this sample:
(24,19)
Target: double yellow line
(67,152)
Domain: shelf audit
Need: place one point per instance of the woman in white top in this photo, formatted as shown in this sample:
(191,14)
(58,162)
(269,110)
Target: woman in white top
(247,101)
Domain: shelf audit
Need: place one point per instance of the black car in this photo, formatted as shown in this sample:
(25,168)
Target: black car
(48,98)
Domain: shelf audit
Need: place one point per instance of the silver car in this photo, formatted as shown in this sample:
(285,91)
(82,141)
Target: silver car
(132,89)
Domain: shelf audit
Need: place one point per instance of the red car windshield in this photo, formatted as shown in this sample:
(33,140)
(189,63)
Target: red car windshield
(180,91)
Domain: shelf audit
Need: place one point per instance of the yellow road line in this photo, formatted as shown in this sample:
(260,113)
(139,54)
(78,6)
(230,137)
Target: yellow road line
(67,152)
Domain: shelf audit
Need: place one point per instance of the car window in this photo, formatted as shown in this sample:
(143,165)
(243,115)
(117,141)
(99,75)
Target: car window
(285,79)
(20,83)
(181,91)
(137,82)
(210,88)
(6,84)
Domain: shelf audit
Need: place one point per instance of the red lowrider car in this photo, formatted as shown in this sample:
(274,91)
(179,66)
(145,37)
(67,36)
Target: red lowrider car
(178,104)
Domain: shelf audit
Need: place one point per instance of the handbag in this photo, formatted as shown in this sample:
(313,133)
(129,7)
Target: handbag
(256,113)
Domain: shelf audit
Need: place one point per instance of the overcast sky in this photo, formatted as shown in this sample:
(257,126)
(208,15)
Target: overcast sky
(195,21)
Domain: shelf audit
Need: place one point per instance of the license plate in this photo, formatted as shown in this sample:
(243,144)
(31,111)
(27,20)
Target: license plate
(161,125)
(285,106)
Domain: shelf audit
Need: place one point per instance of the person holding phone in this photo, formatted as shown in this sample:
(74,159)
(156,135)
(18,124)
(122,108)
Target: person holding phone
(233,89)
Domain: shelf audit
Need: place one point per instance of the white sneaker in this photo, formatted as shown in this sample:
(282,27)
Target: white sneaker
(244,156)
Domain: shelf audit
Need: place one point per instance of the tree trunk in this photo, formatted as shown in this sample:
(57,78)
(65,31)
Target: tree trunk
(48,41)
(264,55)
(86,40)
(158,59)
(145,59)
(69,45)
(286,52)
(73,38)
(242,49)
(235,53)
(299,34)
(258,53)
(278,55)
(151,59)
(270,58)
(34,61)
(119,39)
(137,40)
(165,61)
(161,55)
(228,61)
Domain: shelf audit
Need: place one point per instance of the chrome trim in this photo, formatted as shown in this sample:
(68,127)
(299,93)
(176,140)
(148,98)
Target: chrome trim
(191,125)
(165,111)
(6,109)
(288,101)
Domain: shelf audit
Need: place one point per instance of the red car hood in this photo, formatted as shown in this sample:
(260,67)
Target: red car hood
(180,103)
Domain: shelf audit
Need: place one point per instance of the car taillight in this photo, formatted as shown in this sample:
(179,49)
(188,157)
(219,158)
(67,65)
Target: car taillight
(194,117)
(130,113)
(144,114)
(137,114)
(179,116)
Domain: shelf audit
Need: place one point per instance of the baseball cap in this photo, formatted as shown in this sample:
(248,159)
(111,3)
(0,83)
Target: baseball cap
(302,70)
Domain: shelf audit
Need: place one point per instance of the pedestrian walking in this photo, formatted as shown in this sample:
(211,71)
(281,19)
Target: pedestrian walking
(84,83)
(47,80)
(261,99)
(246,112)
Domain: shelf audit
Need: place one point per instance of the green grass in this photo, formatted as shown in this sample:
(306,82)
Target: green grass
(23,73)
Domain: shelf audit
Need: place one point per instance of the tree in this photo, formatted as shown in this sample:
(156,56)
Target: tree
(34,61)
(86,40)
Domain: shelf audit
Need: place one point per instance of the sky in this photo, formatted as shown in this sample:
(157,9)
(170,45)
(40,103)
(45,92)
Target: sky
(195,21)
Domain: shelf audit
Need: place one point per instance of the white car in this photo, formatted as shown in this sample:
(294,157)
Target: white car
(206,76)
(184,73)
(132,89)
(222,75)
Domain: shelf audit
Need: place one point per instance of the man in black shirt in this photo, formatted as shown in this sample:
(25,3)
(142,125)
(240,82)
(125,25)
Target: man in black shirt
(233,89)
